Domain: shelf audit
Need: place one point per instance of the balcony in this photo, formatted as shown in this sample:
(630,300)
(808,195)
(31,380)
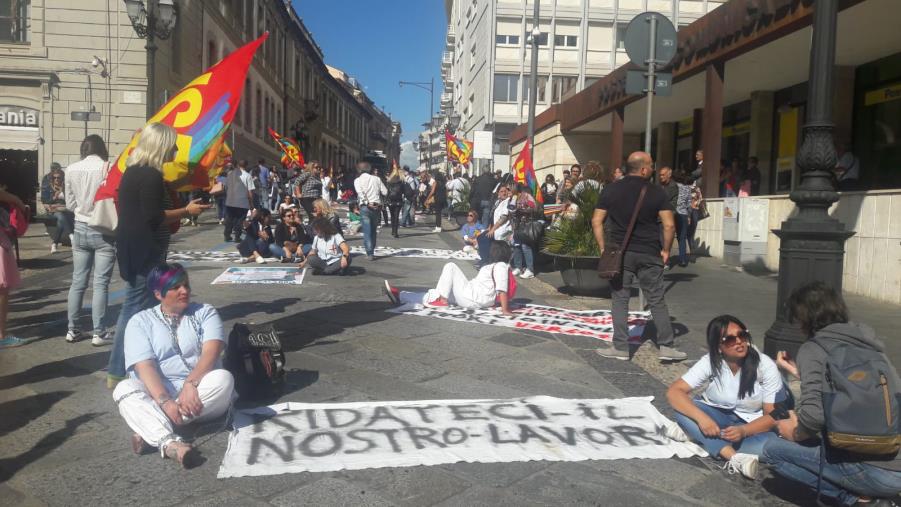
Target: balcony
(447,60)
(447,99)
(451,37)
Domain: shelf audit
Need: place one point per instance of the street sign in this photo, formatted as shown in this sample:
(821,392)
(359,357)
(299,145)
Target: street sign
(637,83)
(482,144)
(85,115)
(638,40)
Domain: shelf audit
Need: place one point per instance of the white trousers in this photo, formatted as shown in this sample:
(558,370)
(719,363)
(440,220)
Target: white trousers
(457,289)
(142,414)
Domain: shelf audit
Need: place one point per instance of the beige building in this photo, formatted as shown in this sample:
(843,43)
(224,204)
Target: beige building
(69,68)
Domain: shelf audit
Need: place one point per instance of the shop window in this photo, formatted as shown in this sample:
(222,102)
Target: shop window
(14,21)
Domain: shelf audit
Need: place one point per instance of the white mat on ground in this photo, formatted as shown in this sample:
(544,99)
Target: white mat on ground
(202,256)
(592,323)
(426,253)
(324,437)
(286,275)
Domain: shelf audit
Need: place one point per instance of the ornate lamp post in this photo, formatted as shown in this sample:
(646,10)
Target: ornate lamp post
(152,20)
(812,243)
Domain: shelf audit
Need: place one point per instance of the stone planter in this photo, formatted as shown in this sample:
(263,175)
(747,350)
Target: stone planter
(580,275)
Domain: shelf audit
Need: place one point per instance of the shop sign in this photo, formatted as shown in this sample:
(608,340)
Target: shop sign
(889,93)
(14,116)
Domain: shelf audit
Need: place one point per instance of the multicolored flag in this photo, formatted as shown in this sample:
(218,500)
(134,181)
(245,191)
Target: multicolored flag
(458,150)
(524,172)
(292,154)
(201,113)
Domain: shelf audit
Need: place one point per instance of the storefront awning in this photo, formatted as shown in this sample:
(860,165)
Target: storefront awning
(14,138)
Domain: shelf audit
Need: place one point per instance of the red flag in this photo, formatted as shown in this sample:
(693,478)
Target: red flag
(524,172)
(201,113)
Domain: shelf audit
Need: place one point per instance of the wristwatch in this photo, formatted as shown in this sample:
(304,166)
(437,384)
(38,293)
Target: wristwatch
(194,383)
(163,400)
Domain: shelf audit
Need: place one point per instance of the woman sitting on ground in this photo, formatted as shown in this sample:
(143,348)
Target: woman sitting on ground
(291,240)
(489,287)
(172,355)
(321,209)
(329,254)
(733,413)
(258,236)
(287,203)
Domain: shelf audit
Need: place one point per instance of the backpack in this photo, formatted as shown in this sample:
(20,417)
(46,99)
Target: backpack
(396,191)
(410,190)
(18,222)
(860,400)
(511,287)
(254,356)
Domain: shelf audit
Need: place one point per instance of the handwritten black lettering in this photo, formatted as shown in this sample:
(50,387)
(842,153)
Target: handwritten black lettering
(466,412)
(423,412)
(332,415)
(311,419)
(537,411)
(496,438)
(590,434)
(587,412)
(306,445)
(611,413)
(461,436)
(383,413)
(628,432)
(258,419)
(355,434)
(570,434)
(257,443)
(526,433)
(389,434)
(495,410)
(417,435)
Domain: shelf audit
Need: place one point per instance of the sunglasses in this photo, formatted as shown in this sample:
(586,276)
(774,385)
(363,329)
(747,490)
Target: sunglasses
(472,215)
(731,340)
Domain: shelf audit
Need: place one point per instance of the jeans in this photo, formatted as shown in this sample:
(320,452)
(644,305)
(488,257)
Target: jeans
(220,208)
(484,242)
(692,227)
(844,482)
(394,210)
(279,252)
(407,214)
(370,220)
(64,225)
(307,204)
(723,418)
(251,244)
(485,207)
(91,249)
(234,222)
(523,252)
(682,234)
(647,269)
(137,298)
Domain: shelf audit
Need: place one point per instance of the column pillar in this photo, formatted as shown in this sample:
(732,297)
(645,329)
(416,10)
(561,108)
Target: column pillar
(616,138)
(761,136)
(697,129)
(712,134)
(666,144)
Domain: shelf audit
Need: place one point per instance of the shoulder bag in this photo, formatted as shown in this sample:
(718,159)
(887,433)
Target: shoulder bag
(105,217)
(610,265)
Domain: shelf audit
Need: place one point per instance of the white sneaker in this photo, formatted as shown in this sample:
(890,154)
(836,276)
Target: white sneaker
(746,464)
(261,260)
(674,432)
(527,274)
(53,248)
(99,340)
(73,335)
(243,260)
(516,271)
(437,229)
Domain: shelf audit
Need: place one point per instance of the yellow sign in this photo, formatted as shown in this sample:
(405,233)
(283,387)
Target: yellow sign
(887,94)
(737,129)
(686,127)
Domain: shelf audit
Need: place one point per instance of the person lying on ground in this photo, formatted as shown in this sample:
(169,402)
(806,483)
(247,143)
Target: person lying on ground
(871,474)
(329,254)
(175,375)
(489,287)
(732,418)
(291,240)
(470,232)
(257,238)
(321,209)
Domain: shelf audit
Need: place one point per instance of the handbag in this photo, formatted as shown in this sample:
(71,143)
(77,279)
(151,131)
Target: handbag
(255,357)
(610,265)
(105,217)
(528,231)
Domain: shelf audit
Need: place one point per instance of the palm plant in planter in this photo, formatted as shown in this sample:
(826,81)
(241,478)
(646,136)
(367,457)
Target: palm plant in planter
(461,208)
(572,246)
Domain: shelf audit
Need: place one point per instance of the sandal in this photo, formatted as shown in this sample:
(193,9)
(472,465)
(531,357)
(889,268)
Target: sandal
(139,445)
(183,453)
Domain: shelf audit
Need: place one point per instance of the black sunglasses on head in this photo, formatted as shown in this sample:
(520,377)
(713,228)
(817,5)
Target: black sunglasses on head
(730,340)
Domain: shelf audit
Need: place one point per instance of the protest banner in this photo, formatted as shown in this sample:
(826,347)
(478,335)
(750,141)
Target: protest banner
(258,275)
(325,437)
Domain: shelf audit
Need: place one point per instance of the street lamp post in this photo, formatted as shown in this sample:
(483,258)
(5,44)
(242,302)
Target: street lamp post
(812,243)
(428,86)
(533,77)
(152,20)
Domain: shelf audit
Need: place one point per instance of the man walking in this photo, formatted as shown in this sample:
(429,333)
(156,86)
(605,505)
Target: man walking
(482,193)
(644,256)
(265,182)
(238,200)
(670,188)
(370,190)
(411,191)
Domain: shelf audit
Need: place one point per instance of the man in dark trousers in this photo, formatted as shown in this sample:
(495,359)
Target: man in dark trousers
(644,255)
(482,196)
(239,189)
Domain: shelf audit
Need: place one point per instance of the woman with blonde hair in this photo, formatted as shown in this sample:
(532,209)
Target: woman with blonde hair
(142,237)
(395,184)
(321,209)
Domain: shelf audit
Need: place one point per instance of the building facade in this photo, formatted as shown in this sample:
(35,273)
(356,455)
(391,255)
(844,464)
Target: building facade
(68,69)
(487,63)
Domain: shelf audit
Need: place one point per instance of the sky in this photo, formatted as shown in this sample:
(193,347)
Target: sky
(381,42)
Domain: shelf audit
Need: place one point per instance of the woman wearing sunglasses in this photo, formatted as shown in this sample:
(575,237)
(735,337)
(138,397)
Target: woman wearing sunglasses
(731,418)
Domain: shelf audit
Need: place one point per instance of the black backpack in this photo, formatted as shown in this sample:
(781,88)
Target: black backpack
(254,356)
(410,190)
(396,191)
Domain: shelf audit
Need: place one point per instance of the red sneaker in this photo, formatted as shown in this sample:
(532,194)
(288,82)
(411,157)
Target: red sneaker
(392,293)
(436,304)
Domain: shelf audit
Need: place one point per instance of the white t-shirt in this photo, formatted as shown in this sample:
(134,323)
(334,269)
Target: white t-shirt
(722,390)
(247,179)
(503,232)
(329,250)
(490,280)
(325,191)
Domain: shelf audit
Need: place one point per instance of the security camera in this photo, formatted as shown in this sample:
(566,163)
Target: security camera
(96,62)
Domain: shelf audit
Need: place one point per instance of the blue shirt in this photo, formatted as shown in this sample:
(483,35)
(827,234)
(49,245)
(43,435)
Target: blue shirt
(264,176)
(468,231)
(148,336)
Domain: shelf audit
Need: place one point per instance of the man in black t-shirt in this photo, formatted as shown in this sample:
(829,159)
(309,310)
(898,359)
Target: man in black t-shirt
(644,255)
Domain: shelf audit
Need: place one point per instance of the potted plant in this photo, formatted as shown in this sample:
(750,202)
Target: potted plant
(570,242)
(461,209)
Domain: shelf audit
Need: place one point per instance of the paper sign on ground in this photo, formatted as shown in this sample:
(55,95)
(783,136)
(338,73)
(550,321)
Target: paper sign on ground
(261,275)
(313,437)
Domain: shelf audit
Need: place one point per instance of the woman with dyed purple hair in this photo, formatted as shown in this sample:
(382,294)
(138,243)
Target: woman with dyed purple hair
(173,359)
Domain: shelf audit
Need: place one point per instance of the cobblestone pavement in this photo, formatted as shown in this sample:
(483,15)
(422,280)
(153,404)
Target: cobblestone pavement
(63,443)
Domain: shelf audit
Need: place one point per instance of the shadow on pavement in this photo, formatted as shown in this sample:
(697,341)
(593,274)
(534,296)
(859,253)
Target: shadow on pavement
(9,466)
(789,491)
(42,263)
(244,308)
(302,329)
(18,413)
(671,279)
(70,367)
(28,295)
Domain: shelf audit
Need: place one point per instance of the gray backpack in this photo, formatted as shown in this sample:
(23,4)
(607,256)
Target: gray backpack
(861,400)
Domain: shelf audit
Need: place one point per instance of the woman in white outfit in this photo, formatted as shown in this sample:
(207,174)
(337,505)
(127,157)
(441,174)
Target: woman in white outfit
(489,287)
(172,355)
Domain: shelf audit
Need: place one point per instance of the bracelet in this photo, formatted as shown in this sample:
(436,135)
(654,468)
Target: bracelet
(194,383)
(163,400)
